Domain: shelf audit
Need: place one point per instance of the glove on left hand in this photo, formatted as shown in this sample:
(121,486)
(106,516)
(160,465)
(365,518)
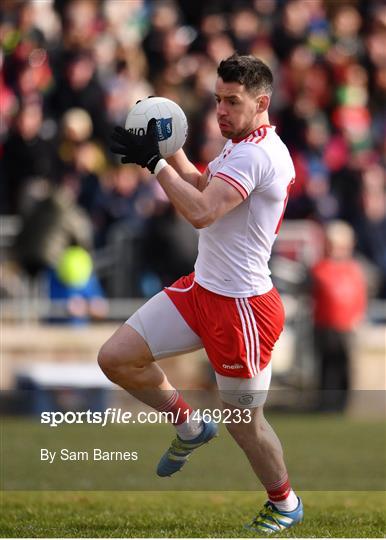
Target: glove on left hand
(140,149)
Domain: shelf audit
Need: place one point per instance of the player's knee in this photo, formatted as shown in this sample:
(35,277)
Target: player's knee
(109,361)
(247,434)
(240,435)
(120,366)
(115,363)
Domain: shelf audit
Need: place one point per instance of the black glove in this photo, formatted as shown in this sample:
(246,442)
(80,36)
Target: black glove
(140,149)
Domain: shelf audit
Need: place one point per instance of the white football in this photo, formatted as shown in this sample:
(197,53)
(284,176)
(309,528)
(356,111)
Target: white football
(172,126)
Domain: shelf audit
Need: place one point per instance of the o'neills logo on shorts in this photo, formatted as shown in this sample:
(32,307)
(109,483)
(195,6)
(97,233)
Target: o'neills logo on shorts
(233,366)
(246,399)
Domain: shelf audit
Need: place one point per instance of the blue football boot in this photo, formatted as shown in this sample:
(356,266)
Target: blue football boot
(270,520)
(178,453)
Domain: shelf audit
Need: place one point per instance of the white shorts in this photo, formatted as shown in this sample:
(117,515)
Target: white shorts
(154,321)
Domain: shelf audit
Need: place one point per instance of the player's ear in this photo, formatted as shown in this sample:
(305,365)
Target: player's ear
(262,103)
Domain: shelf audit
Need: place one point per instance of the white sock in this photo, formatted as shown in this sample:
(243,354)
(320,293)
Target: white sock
(289,504)
(190,429)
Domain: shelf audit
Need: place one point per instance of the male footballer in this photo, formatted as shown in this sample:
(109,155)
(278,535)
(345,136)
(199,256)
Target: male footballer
(228,305)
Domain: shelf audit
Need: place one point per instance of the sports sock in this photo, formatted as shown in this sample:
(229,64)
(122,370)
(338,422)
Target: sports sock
(187,424)
(282,495)
(189,430)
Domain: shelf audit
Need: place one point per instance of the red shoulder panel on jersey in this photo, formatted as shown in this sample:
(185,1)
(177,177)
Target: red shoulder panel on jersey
(257,136)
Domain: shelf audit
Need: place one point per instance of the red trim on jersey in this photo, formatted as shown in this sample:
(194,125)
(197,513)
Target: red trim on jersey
(253,135)
(251,132)
(284,206)
(240,188)
(262,136)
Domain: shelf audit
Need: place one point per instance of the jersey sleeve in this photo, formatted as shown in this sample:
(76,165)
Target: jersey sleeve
(213,165)
(247,168)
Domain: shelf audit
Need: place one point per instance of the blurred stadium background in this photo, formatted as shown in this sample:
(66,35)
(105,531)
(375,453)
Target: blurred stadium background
(85,241)
(71,70)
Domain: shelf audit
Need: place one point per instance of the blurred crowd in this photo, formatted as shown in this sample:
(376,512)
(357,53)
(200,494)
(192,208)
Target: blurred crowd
(71,70)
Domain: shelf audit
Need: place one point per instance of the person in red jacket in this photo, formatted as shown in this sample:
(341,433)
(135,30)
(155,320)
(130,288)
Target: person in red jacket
(339,293)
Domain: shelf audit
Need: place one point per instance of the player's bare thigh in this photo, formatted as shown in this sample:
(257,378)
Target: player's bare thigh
(155,331)
(125,347)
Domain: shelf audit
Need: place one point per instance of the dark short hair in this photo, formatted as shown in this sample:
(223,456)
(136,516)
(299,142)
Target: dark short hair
(247,70)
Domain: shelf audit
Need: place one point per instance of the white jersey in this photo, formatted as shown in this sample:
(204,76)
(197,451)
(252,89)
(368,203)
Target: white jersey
(233,252)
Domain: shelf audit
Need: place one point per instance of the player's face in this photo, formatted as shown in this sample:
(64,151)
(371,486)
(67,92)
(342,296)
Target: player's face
(238,110)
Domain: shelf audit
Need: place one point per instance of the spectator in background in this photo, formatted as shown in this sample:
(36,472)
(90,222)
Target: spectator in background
(292,27)
(26,153)
(169,248)
(101,57)
(74,283)
(339,293)
(76,128)
(124,199)
(82,160)
(81,21)
(8,100)
(371,222)
(244,27)
(80,88)
(164,18)
(50,226)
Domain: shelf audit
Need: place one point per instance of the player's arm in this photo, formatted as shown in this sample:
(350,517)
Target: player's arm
(186,170)
(201,209)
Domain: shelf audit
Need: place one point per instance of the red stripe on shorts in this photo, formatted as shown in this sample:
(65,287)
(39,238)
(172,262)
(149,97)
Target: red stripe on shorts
(237,333)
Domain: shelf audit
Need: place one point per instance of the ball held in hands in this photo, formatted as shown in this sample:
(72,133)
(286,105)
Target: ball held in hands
(140,149)
(172,126)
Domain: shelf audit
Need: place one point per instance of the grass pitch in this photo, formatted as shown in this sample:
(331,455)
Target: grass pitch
(322,452)
(182,514)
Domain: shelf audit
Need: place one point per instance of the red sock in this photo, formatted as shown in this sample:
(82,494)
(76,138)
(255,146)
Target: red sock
(280,490)
(176,405)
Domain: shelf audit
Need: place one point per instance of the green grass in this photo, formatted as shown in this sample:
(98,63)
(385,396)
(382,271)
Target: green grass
(327,453)
(183,514)
(213,496)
